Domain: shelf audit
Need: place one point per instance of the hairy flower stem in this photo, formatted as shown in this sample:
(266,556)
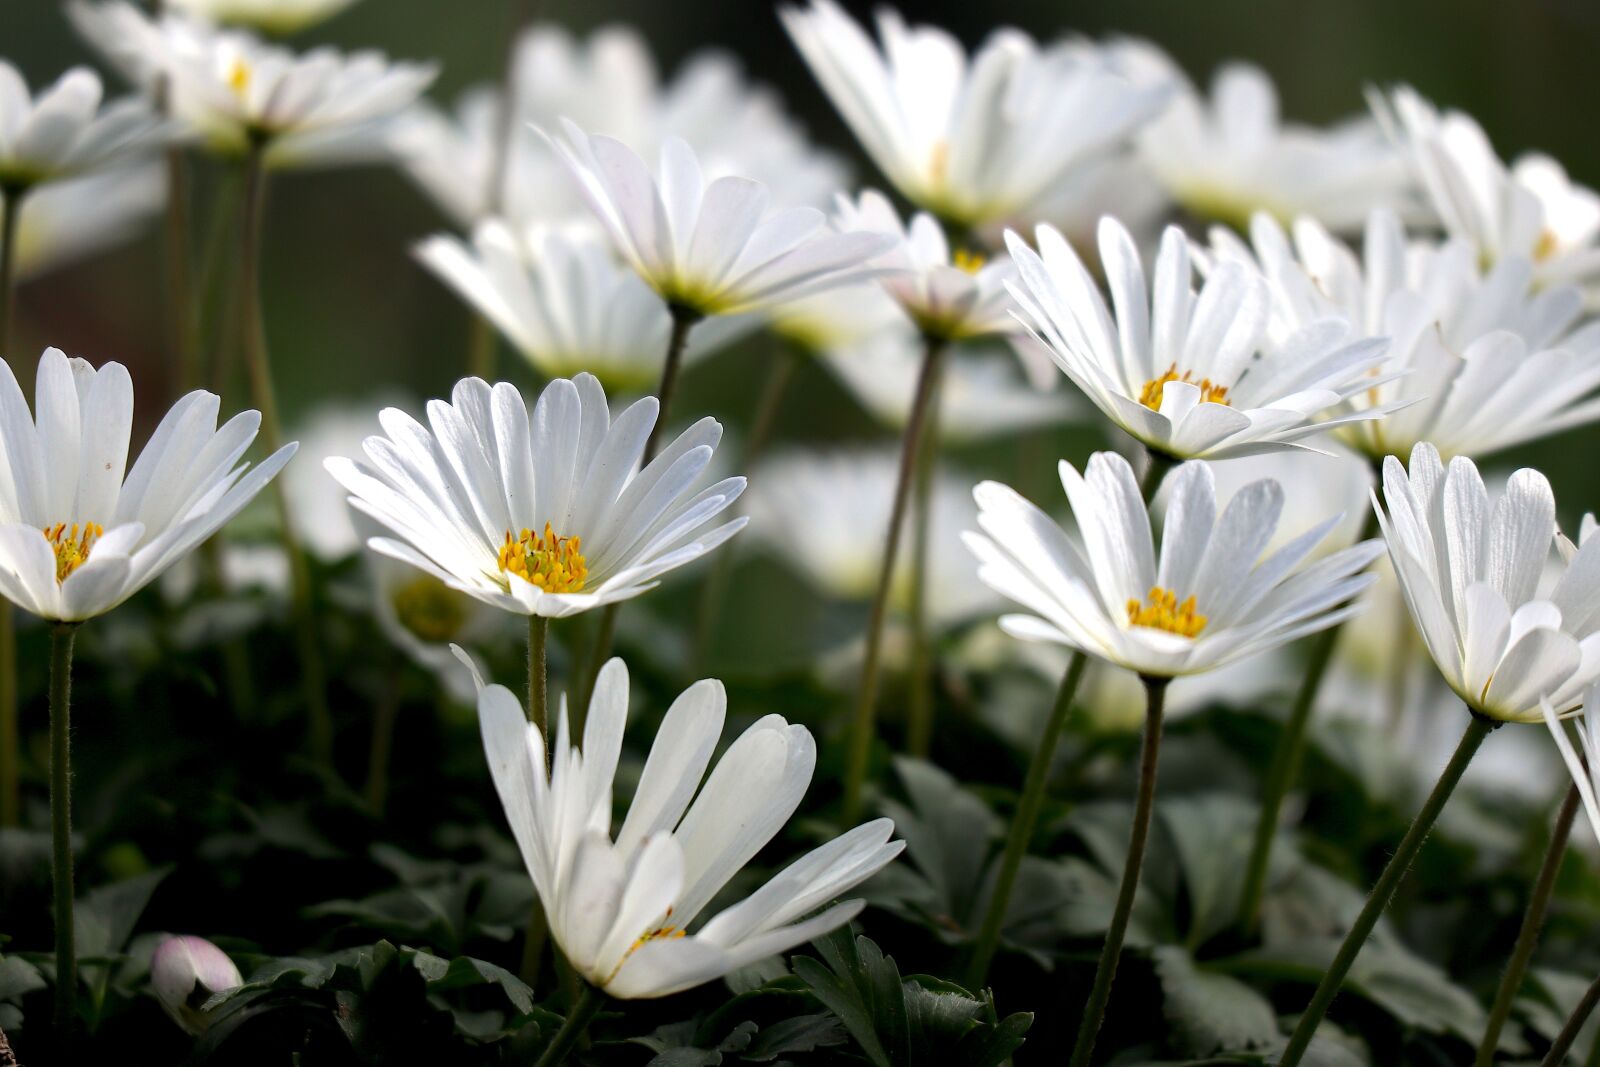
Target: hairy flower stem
(62,635)
(1569,1033)
(589,1003)
(533,941)
(1532,923)
(1383,891)
(861,727)
(1023,823)
(320,720)
(10,737)
(1284,769)
(919,701)
(1094,1013)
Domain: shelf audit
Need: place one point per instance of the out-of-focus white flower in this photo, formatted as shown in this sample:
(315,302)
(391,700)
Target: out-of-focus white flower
(318,505)
(269,16)
(625,910)
(567,305)
(973,141)
(1585,771)
(544,516)
(837,318)
(184,972)
(70,220)
(1120,186)
(64,131)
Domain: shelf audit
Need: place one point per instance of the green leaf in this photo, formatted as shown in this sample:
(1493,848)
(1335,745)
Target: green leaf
(1210,1012)
(802,1033)
(18,978)
(1210,835)
(949,832)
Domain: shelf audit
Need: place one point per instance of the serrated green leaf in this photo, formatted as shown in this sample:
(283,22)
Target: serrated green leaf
(1210,1012)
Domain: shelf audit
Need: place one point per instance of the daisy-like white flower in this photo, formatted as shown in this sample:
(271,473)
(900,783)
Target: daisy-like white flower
(544,516)
(710,247)
(269,16)
(626,909)
(949,295)
(837,318)
(566,304)
(64,130)
(1185,373)
(1584,768)
(78,537)
(1529,210)
(1212,595)
(1478,360)
(973,141)
(1230,156)
(1471,569)
(71,220)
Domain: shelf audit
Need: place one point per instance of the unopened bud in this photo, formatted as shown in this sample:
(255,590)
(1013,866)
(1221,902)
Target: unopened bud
(184,972)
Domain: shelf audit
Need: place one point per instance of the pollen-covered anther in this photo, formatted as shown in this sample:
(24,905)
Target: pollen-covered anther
(1161,611)
(971,262)
(1210,392)
(548,561)
(72,545)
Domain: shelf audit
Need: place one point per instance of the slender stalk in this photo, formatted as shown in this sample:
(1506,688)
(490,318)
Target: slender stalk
(62,635)
(1383,891)
(10,738)
(1569,1033)
(1094,1012)
(179,280)
(11,200)
(577,1023)
(1284,769)
(538,677)
(861,728)
(919,700)
(483,345)
(1023,823)
(1594,1054)
(384,714)
(320,720)
(1155,472)
(1532,923)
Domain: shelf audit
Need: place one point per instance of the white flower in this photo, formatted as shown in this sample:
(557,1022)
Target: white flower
(1530,210)
(1213,595)
(567,305)
(67,221)
(709,248)
(1231,156)
(64,130)
(1585,770)
(1477,361)
(270,16)
(78,538)
(184,972)
(543,517)
(837,318)
(1470,571)
(948,295)
(626,910)
(1185,373)
(974,141)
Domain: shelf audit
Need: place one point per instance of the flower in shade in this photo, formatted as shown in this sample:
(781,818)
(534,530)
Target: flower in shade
(78,537)
(1187,373)
(626,909)
(65,130)
(709,247)
(1478,360)
(1529,210)
(973,141)
(544,516)
(566,304)
(70,220)
(1212,595)
(1471,571)
(270,16)
(184,972)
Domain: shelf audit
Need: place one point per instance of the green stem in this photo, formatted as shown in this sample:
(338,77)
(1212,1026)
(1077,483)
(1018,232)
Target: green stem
(1023,823)
(539,678)
(1478,728)
(11,199)
(1155,472)
(320,719)
(181,319)
(1569,1033)
(483,345)
(1594,1053)
(577,1023)
(919,700)
(10,734)
(1532,923)
(861,728)
(1284,769)
(61,639)
(379,752)
(1094,1012)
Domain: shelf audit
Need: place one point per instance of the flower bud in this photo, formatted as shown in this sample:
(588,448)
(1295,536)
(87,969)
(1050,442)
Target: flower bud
(184,972)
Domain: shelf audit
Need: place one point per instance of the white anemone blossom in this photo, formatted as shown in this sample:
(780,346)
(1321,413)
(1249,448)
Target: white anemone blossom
(977,140)
(269,16)
(544,516)
(1213,595)
(63,130)
(566,304)
(82,532)
(1585,769)
(709,247)
(70,220)
(1186,373)
(1478,360)
(626,909)
(1471,571)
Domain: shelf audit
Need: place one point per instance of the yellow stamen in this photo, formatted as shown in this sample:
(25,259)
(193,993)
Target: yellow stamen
(665,932)
(939,161)
(551,562)
(1547,245)
(72,545)
(1161,611)
(969,261)
(430,609)
(1210,392)
(239,75)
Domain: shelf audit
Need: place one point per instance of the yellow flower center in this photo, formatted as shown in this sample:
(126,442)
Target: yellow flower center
(430,609)
(969,261)
(1547,245)
(1210,392)
(239,75)
(72,545)
(1161,611)
(551,562)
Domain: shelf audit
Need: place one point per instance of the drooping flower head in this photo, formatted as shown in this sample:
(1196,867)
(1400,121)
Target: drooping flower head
(626,909)
(79,537)
(1213,594)
(64,131)
(542,516)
